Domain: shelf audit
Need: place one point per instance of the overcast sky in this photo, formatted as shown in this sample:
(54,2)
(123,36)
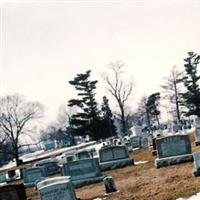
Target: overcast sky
(45,44)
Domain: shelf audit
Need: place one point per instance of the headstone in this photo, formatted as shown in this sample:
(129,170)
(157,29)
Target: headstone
(173,150)
(112,157)
(197,136)
(48,181)
(197,131)
(57,189)
(83,172)
(50,166)
(109,184)
(31,175)
(13,192)
(3,178)
(83,154)
(135,141)
(145,142)
(196,157)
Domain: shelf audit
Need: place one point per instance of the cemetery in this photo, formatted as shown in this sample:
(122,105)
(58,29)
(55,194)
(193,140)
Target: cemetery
(84,178)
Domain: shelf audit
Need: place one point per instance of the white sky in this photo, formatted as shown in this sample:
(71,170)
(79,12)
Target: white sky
(45,44)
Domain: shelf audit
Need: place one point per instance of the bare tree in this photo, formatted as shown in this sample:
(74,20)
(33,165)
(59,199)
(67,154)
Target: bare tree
(16,116)
(172,91)
(119,89)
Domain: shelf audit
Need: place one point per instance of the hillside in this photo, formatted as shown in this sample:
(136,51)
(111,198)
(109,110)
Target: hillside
(144,181)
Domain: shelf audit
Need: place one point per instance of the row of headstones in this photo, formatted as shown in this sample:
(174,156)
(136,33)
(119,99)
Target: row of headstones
(82,171)
(132,142)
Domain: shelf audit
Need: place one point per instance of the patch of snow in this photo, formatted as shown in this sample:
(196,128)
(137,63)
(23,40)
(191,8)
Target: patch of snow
(193,197)
(141,162)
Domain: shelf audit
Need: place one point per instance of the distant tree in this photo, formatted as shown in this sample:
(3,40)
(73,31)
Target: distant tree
(172,91)
(119,89)
(191,81)
(142,115)
(152,107)
(16,117)
(86,121)
(107,119)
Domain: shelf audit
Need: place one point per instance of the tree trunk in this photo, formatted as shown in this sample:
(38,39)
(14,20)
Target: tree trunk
(177,104)
(123,120)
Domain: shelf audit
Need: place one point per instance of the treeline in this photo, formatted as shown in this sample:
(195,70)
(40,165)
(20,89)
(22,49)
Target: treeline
(83,116)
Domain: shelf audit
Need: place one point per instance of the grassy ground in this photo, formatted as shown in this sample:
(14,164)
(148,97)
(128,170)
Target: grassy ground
(144,181)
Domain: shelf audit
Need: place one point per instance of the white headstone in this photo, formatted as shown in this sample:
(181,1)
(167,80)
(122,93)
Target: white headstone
(58,190)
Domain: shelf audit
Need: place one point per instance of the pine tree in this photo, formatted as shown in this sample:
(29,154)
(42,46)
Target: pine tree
(152,107)
(192,96)
(107,121)
(86,121)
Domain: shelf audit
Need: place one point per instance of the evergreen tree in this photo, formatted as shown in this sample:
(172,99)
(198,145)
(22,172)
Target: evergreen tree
(192,96)
(86,121)
(107,121)
(152,107)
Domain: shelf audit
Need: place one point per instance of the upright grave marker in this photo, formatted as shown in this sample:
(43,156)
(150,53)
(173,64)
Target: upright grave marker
(112,157)
(173,150)
(50,166)
(31,175)
(56,188)
(197,131)
(83,172)
(196,157)
(135,141)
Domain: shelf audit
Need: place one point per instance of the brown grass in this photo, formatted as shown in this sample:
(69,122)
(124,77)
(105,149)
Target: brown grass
(144,181)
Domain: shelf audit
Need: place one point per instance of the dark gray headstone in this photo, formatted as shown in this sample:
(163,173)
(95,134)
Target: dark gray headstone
(51,167)
(31,175)
(83,171)
(3,178)
(112,157)
(172,150)
(111,153)
(13,192)
(135,141)
(173,146)
(196,157)
(197,135)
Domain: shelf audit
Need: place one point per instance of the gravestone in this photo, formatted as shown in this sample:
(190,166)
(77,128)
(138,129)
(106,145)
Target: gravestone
(83,171)
(3,178)
(112,157)
(197,136)
(154,151)
(13,192)
(145,142)
(50,166)
(197,131)
(135,141)
(31,175)
(173,150)
(48,181)
(196,157)
(59,189)
(82,154)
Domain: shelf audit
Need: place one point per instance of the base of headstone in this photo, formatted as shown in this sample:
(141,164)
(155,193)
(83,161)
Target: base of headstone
(154,152)
(197,143)
(116,164)
(162,162)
